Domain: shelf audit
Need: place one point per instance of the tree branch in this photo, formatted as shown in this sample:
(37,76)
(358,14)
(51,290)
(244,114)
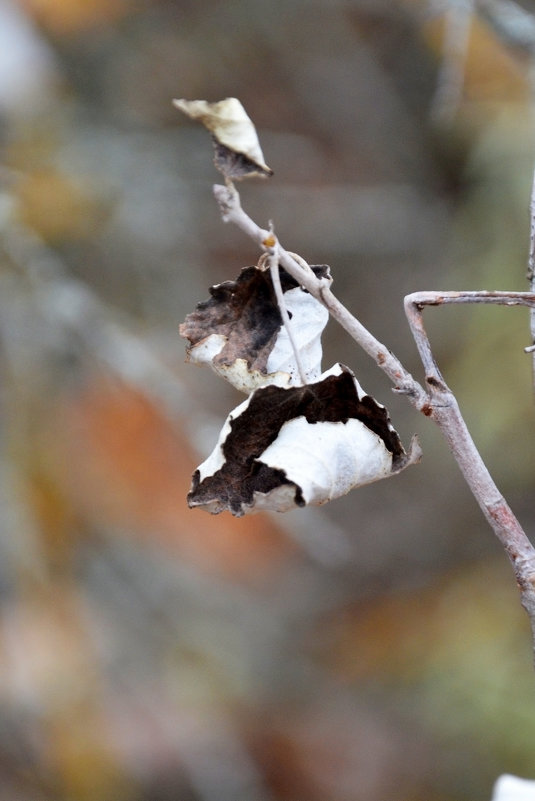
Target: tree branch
(231,211)
(444,410)
(437,403)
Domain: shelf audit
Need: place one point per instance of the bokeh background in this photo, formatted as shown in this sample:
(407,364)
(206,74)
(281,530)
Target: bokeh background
(371,650)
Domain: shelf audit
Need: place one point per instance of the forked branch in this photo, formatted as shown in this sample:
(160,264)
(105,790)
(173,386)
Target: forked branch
(436,401)
(444,410)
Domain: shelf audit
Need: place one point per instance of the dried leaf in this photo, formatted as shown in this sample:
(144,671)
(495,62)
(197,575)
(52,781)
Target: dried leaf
(512,788)
(283,448)
(237,149)
(239,331)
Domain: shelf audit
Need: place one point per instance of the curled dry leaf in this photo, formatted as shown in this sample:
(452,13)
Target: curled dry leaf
(284,448)
(239,332)
(237,150)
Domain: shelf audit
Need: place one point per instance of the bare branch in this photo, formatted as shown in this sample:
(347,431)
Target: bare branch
(231,211)
(438,403)
(444,410)
(417,300)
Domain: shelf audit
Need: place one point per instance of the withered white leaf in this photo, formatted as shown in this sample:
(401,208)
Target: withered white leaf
(284,448)
(237,150)
(239,332)
(512,788)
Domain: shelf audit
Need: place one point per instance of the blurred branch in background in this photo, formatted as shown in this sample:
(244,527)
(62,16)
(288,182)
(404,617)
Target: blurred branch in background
(450,79)
(514,24)
(531,272)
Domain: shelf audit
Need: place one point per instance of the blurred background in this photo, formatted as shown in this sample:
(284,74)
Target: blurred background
(371,650)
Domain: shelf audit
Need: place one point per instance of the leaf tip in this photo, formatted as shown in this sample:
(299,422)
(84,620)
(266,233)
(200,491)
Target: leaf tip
(237,150)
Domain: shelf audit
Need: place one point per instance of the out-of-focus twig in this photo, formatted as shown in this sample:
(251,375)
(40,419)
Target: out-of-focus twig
(513,24)
(68,305)
(450,81)
(531,272)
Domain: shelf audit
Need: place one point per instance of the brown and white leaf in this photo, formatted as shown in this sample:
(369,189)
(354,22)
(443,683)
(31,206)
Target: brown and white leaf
(237,150)
(284,448)
(239,332)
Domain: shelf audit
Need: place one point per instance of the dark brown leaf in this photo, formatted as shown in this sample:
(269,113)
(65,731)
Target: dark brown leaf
(244,321)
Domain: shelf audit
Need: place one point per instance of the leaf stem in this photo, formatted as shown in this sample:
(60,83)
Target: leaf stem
(273,260)
(232,212)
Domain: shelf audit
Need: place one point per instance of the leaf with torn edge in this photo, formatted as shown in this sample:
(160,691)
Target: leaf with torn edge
(237,149)
(284,448)
(239,330)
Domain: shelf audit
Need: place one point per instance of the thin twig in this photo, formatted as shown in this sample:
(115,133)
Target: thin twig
(273,260)
(404,383)
(420,299)
(444,410)
(438,403)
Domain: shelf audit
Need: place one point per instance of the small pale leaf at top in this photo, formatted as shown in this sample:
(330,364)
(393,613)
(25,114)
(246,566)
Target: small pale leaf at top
(238,153)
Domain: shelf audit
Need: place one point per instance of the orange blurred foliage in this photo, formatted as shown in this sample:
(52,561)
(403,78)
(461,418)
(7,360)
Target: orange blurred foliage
(56,207)
(124,463)
(492,73)
(67,17)
(415,626)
